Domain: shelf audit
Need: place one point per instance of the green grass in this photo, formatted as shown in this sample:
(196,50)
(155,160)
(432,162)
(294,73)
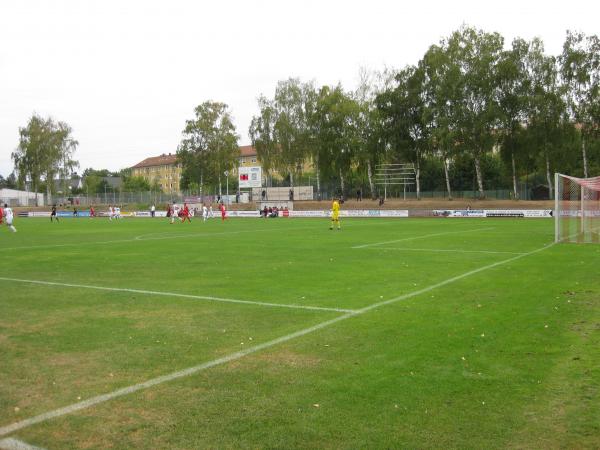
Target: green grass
(504,357)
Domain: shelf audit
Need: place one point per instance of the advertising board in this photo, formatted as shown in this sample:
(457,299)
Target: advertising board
(309,213)
(353,213)
(70,214)
(530,213)
(243,213)
(250,177)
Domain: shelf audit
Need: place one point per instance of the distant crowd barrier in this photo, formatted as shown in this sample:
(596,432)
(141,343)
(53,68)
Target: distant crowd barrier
(399,213)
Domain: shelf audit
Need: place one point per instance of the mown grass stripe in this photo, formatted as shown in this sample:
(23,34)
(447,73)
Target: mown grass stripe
(423,236)
(237,355)
(443,250)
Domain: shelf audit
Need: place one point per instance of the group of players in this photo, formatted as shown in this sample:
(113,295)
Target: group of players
(111,213)
(173,212)
(183,214)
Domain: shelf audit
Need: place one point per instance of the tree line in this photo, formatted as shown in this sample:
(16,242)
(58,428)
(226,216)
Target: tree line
(468,100)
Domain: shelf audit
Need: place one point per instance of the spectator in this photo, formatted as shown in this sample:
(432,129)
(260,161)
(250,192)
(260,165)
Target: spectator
(359,195)
(292,194)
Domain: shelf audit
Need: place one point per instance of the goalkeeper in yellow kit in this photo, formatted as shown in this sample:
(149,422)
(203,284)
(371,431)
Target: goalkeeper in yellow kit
(335,214)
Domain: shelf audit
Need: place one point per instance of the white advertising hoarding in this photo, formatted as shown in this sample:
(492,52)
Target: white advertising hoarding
(547,213)
(250,177)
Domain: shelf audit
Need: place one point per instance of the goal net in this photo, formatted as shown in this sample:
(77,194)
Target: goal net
(577,209)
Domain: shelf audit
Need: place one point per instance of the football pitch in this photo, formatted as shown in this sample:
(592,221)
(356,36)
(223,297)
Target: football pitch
(264,333)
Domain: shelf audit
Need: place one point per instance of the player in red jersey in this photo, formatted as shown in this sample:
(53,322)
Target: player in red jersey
(223,211)
(185,213)
(92,212)
(1,215)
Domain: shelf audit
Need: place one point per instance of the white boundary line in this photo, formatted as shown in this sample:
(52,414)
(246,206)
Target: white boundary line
(142,239)
(175,294)
(441,250)
(15,444)
(423,236)
(237,355)
(202,234)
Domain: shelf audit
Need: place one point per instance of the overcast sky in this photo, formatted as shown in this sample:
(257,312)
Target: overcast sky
(127,74)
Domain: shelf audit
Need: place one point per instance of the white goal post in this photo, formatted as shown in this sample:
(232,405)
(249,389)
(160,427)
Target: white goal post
(576,209)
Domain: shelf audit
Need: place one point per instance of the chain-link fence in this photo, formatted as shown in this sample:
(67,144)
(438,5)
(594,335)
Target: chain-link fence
(280,193)
(305,188)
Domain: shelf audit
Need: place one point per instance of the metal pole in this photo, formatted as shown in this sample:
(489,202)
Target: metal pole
(582,212)
(556,212)
(384,185)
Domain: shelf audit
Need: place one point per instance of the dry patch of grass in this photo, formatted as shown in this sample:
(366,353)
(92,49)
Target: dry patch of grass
(566,413)
(275,360)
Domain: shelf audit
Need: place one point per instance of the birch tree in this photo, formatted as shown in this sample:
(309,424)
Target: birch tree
(580,69)
(513,98)
(476,55)
(209,146)
(46,149)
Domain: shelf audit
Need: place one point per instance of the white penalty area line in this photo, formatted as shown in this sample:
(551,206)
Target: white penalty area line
(175,294)
(164,235)
(237,355)
(141,238)
(443,250)
(423,236)
(15,444)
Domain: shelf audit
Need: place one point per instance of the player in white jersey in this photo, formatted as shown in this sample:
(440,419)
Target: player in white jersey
(111,212)
(175,213)
(210,212)
(204,212)
(8,216)
(117,212)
